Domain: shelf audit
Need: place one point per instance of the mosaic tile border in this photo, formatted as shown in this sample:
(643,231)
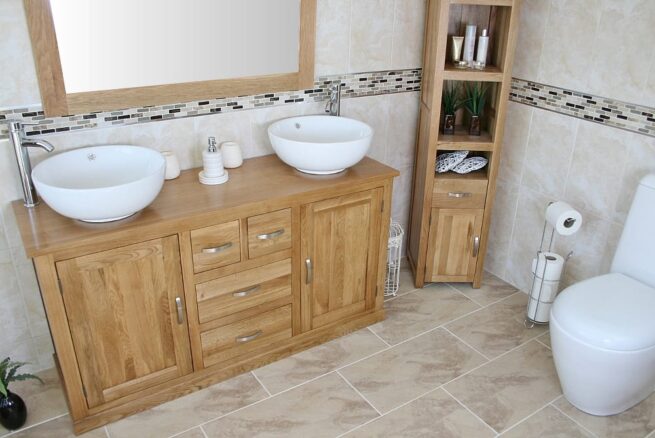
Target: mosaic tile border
(622,115)
(354,85)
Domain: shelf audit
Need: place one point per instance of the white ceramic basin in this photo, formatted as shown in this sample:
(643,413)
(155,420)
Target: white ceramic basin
(320,144)
(100,183)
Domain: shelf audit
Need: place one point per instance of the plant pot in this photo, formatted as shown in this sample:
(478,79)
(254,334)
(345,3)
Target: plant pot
(474,126)
(449,124)
(13,411)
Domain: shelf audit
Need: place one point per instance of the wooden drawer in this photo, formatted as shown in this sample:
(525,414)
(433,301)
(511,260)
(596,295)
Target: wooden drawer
(243,290)
(459,193)
(216,246)
(250,335)
(269,233)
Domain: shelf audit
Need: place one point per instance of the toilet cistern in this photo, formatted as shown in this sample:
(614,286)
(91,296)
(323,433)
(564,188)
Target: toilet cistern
(20,144)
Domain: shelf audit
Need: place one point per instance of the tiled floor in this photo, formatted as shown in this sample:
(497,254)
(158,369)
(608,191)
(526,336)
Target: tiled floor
(449,361)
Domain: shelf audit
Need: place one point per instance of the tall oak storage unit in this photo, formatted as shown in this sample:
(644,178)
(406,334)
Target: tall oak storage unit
(451,213)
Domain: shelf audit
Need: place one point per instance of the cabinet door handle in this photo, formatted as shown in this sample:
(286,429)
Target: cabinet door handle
(248,338)
(217,249)
(246,292)
(180,310)
(476,246)
(272,235)
(460,194)
(310,271)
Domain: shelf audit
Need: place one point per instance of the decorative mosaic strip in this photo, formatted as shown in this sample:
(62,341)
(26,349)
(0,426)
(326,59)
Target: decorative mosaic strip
(614,113)
(353,85)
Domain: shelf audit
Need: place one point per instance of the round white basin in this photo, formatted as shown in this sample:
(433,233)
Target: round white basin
(100,183)
(320,144)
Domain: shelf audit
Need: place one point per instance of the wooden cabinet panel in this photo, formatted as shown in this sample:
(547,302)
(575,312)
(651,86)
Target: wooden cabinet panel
(459,193)
(340,239)
(269,233)
(122,310)
(234,293)
(249,335)
(216,246)
(453,247)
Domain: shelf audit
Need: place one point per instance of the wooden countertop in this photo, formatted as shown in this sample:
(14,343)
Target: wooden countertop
(258,181)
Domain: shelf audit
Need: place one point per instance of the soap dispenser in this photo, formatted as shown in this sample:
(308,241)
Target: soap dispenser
(213,172)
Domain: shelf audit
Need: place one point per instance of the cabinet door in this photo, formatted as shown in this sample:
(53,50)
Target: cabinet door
(340,241)
(454,241)
(125,312)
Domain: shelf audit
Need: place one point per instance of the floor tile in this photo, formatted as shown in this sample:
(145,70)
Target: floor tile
(548,423)
(408,370)
(434,415)
(422,310)
(511,387)
(498,328)
(193,433)
(319,360)
(189,411)
(43,401)
(545,339)
(325,407)
(61,427)
(636,422)
(492,290)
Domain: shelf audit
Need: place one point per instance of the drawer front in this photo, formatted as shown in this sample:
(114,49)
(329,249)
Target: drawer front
(243,290)
(216,246)
(269,233)
(459,193)
(248,336)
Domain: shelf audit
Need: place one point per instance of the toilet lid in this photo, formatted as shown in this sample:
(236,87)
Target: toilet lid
(612,311)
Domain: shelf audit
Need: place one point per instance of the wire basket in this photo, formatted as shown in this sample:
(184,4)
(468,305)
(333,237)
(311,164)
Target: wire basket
(394,251)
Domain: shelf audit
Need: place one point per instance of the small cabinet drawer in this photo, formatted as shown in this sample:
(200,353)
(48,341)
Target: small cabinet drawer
(459,193)
(269,233)
(243,290)
(216,246)
(248,336)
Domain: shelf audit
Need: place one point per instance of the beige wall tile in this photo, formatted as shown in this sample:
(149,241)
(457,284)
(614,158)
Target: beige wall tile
(403,116)
(569,42)
(532,28)
(370,39)
(502,222)
(332,36)
(515,141)
(640,161)
(373,110)
(409,23)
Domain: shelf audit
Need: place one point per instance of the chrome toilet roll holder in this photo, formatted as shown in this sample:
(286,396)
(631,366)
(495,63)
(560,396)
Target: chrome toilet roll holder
(530,322)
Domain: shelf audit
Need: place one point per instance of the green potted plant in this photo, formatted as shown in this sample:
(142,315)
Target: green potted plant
(475,99)
(452,101)
(13,411)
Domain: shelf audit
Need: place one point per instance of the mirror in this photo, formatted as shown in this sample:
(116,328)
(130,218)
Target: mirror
(99,55)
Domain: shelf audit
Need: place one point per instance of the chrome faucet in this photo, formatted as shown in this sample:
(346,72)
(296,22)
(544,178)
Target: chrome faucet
(333,106)
(20,144)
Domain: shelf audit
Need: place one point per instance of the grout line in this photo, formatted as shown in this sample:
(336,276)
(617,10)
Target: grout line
(107,432)
(202,429)
(463,294)
(360,394)
(467,408)
(261,383)
(467,344)
(31,426)
(378,336)
(531,415)
(571,418)
(542,343)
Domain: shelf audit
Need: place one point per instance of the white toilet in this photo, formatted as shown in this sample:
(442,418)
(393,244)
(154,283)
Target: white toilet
(603,329)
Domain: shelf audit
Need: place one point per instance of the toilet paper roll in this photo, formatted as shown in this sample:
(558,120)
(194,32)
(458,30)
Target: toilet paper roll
(548,266)
(564,218)
(540,313)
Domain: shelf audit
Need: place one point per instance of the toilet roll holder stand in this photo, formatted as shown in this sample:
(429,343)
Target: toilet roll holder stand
(529,322)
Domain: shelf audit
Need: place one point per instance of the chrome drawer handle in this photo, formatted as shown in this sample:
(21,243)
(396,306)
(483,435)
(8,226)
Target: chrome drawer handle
(310,271)
(459,194)
(248,338)
(272,235)
(246,292)
(217,249)
(476,246)
(180,310)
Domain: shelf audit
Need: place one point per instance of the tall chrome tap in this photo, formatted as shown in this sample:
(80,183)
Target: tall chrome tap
(333,106)
(20,144)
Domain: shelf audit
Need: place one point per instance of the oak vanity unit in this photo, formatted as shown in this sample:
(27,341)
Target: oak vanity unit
(208,282)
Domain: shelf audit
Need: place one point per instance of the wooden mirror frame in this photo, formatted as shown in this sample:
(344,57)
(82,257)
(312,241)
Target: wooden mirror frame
(56,102)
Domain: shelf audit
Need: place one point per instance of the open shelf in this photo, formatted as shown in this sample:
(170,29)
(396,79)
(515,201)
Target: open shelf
(482,2)
(462,141)
(481,174)
(489,74)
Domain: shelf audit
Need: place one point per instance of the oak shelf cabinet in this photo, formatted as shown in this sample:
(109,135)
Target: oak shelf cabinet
(208,282)
(451,213)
